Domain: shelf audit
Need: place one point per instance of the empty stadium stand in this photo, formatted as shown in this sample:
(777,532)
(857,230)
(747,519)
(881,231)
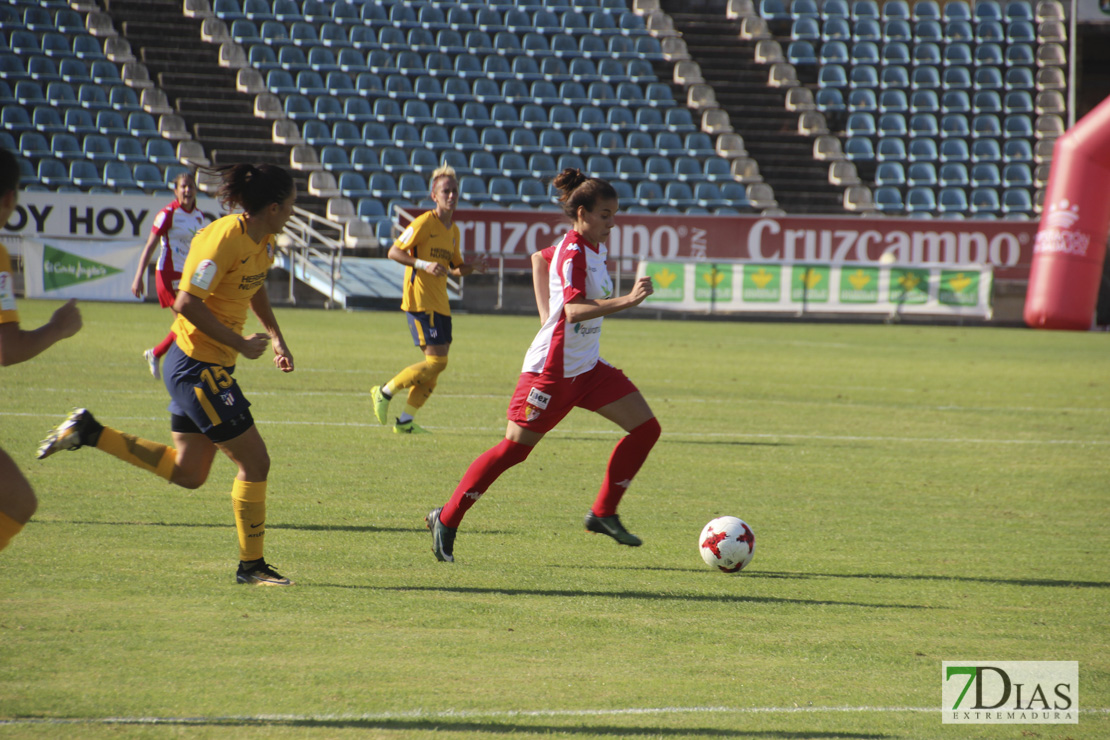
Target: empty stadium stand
(693,106)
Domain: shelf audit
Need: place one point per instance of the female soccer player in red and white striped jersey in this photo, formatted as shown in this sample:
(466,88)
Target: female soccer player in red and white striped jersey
(563,367)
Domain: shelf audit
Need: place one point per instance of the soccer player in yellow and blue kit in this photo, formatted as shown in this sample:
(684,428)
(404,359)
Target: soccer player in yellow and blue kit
(224,275)
(429,248)
(17,498)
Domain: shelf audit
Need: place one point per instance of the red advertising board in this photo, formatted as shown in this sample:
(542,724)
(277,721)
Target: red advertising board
(1007,246)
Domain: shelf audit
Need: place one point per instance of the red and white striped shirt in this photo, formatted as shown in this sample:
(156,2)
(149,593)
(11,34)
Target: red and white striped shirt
(577,269)
(176,228)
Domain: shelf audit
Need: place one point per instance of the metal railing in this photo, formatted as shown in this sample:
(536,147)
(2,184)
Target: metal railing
(307,236)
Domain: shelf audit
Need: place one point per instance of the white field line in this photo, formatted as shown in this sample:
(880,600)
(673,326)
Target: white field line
(676,434)
(452,714)
(159,391)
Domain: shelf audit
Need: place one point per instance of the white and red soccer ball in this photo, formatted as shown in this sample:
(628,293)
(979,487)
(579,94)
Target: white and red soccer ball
(727,543)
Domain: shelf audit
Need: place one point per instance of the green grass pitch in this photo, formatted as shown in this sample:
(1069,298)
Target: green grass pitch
(918,494)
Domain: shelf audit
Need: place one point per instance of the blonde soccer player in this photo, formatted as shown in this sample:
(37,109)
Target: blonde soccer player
(429,249)
(224,275)
(17,498)
(563,368)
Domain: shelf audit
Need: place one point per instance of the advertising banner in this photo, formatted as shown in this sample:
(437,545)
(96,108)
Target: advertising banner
(85,216)
(93,271)
(885,288)
(1003,245)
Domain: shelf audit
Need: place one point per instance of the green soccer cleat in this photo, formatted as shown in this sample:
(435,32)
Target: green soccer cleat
(409,427)
(443,537)
(257,573)
(79,429)
(611,525)
(381,404)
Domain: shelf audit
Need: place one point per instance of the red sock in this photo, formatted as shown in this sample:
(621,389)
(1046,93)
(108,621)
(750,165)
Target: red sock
(624,463)
(480,476)
(164,346)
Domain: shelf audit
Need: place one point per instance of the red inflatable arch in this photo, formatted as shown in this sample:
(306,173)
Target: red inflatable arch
(1071,241)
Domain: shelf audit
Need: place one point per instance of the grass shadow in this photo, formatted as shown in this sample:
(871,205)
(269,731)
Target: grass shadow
(1049,582)
(634,595)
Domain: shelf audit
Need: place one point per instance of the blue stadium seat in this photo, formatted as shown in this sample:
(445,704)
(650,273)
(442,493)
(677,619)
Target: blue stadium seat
(920,200)
(922,150)
(867,30)
(64,146)
(98,148)
(1016,200)
(954,125)
(92,97)
(891,149)
(834,52)
(959,31)
(832,75)
(658,169)
(952,201)
(1016,101)
(890,174)
(84,174)
(888,199)
(60,94)
(863,76)
(805,29)
(927,53)
(117,175)
(923,124)
(897,31)
(959,54)
(716,169)
(984,201)
(859,149)
(801,53)
(985,125)
(1017,150)
(52,173)
(49,120)
(988,55)
(924,101)
(649,194)
(87,48)
(127,149)
(985,174)
(76,121)
(1017,126)
(989,32)
(921,174)
(895,76)
(986,150)
(1021,32)
(896,52)
(836,29)
(986,101)
(893,101)
(861,99)
(925,78)
(892,124)
(860,125)
(830,99)
(1017,175)
(928,32)
(953,174)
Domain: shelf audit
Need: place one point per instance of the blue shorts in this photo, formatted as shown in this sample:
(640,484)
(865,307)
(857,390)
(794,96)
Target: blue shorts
(429,328)
(204,398)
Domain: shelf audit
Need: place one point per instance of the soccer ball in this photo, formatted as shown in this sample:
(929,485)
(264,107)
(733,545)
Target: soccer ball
(727,543)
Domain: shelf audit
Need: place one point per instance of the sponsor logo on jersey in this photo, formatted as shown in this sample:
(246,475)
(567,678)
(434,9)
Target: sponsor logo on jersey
(538,398)
(204,275)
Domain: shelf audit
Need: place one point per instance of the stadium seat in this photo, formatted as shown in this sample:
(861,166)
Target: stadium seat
(954,150)
(891,149)
(861,99)
(923,124)
(985,125)
(954,125)
(117,175)
(920,200)
(160,151)
(924,101)
(897,31)
(953,174)
(859,149)
(952,201)
(888,199)
(1016,200)
(985,150)
(922,150)
(985,174)
(84,174)
(896,77)
(890,174)
(984,201)
(830,99)
(986,101)
(892,124)
(1017,150)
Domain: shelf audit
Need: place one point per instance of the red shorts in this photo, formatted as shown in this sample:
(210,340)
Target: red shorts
(541,401)
(166,282)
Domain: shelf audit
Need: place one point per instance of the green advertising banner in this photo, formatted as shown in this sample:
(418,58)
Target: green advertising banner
(809,283)
(669,279)
(909,285)
(712,283)
(958,288)
(700,285)
(762,283)
(860,285)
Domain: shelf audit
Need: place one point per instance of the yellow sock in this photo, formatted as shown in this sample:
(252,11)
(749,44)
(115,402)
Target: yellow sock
(249,501)
(422,389)
(142,453)
(8,528)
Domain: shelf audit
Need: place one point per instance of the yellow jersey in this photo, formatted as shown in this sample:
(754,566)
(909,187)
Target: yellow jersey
(427,238)
(225,268)
(9,314)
